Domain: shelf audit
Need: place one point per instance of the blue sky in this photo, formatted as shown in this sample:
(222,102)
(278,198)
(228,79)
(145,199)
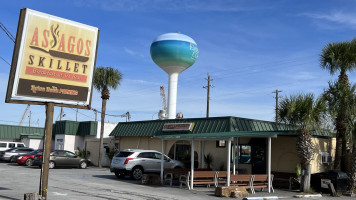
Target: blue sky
(249,48)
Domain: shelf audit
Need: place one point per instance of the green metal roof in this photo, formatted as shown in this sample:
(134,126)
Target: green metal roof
(67,127)
(214,127)
(60,127)
(220,135)
(15,132)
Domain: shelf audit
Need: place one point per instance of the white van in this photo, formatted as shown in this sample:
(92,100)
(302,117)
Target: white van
(8,145)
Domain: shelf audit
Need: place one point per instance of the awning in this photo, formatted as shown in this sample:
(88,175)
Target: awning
(220,135)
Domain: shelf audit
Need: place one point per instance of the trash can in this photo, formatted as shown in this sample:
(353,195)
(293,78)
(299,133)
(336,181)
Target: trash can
(319,181)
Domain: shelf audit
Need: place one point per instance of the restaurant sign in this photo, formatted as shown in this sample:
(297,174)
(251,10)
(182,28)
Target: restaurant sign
(178,127)
(53,61)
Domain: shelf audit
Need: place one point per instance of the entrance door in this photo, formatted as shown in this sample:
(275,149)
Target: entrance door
(258,155)
(59,144)
(181,151)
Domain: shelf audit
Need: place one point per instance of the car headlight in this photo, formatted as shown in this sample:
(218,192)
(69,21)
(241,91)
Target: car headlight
(20,157)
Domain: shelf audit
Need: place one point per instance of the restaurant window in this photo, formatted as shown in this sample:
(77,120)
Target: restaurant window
(243,154)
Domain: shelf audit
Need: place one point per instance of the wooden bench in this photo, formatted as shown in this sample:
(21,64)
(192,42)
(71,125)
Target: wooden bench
(221,178)
(244,180)
(199,178)
(261,181)
(172,175)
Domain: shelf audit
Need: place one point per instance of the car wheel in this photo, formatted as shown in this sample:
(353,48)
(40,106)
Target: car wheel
(83,165)
(29,162)
(119,175)
(12,159)
(137,173)
(51,164)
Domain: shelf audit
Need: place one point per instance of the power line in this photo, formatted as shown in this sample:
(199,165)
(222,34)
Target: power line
(5,61)
(82,113)
(7,32)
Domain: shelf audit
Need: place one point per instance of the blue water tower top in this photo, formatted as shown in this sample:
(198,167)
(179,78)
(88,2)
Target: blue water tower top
(174,52)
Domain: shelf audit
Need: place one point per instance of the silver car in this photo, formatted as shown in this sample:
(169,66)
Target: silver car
(135,162)
(9,154)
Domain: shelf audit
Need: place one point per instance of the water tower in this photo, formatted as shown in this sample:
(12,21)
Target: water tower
(174,53)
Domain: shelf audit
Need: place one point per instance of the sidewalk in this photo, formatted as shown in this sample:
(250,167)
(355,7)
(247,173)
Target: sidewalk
(280,194)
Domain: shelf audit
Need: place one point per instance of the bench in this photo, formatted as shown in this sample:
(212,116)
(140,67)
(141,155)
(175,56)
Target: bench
(251,181)
(199,178)
(172,175)
(243,180)
(221,177)
(261,181)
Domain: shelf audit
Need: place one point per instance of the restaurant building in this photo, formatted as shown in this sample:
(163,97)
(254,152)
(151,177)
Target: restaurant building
(250,140)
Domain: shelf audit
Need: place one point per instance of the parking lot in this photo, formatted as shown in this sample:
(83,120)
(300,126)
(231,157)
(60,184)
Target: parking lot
(90,183)
(95,183)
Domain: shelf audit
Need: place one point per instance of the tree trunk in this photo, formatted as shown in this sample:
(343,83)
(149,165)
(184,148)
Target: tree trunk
(338,151)
(305,179)
(341,124)
(103,110)
(352,174)
(344,155)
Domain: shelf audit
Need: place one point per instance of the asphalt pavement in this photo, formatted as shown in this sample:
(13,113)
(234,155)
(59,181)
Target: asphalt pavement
(94,183)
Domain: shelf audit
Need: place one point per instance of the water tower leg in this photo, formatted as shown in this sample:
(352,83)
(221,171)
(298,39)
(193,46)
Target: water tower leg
(172,95)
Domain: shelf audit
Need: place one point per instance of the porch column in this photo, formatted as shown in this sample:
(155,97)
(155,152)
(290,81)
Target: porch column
(202,154)
(228,162)
(269,164)
(162,161)
(236,143)
(192,165)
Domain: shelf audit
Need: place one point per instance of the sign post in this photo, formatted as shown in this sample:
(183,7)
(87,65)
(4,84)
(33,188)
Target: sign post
(53,65)
(46,150)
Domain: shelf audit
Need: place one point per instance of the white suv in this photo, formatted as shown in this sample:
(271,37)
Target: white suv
(135,162)
(4,145)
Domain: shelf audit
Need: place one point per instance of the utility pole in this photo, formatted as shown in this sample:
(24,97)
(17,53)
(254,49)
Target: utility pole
(60,116)
(208,94)
(277,91)
(96,114)
(29,119)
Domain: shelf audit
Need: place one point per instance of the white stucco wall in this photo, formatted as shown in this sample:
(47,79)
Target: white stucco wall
(71,142)
(108,127)
(35,143)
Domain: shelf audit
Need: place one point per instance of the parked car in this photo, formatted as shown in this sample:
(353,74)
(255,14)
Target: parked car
(62,158)
(4,145)
(135,162)
(9,155)
(27,159)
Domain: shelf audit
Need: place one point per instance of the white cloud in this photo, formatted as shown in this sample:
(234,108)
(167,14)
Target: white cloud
(133,53)
(338,18)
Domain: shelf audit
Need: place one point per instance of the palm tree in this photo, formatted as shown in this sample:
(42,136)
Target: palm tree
(340,97)
(105,78)
(340,57)
(306,113)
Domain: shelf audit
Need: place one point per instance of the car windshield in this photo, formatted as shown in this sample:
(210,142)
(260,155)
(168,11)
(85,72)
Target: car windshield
(124,154)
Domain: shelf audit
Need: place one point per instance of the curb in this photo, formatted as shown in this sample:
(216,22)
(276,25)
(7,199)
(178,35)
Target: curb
(260,198)
(307,195)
